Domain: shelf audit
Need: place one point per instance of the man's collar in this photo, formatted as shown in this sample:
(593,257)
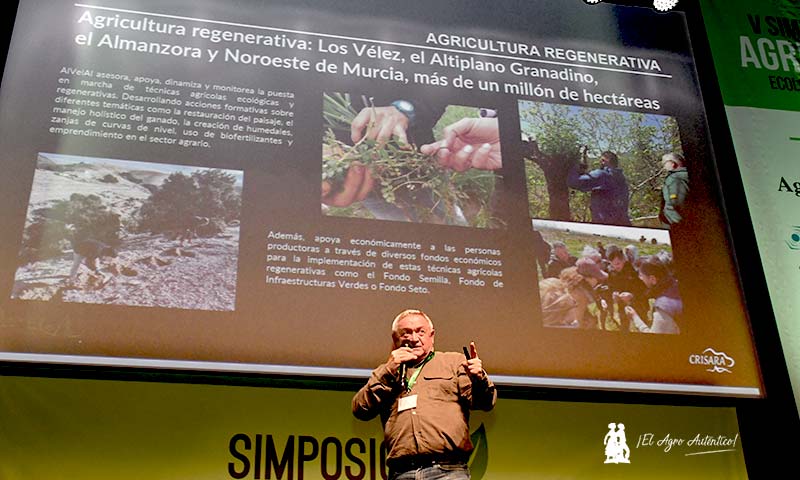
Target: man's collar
(427,358)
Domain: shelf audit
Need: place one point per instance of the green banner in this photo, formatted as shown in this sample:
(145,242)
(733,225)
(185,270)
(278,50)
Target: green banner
(763,99)
(89,429)
(756,53)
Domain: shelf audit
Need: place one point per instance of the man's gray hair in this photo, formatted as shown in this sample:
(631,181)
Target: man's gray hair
(589,251)
(410,311)
(677,158)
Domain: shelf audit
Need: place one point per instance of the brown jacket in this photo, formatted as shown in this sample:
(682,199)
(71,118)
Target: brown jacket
(439,425)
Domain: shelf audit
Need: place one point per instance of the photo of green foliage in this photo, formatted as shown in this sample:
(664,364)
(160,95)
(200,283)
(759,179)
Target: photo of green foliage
(408,185)
(559,137)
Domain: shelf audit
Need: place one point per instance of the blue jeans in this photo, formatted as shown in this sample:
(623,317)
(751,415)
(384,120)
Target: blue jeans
(457,471)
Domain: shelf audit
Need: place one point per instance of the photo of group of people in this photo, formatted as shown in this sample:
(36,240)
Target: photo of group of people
(405,160)
(606,278)
(110,231)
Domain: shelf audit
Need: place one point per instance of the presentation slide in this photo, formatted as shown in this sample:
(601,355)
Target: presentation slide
(248,186)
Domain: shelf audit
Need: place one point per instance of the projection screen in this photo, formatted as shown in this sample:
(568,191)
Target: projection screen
(245,186)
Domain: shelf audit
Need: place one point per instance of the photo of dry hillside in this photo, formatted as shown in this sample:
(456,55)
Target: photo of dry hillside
(119,232)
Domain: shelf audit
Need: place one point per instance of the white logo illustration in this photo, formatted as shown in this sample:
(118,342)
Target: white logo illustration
(664,5)
(719,362)
(617,450)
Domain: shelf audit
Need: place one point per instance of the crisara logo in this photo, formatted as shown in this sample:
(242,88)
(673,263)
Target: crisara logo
(719,362)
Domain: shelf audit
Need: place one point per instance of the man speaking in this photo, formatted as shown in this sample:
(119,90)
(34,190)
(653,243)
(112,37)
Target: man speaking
(424,398)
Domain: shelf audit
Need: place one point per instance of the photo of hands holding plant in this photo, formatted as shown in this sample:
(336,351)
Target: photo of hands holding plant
(402,161)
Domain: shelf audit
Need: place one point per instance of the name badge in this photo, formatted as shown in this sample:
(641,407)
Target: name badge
(407,403)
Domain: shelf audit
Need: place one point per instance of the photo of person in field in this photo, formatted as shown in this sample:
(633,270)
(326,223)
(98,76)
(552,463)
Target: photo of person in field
(595,165)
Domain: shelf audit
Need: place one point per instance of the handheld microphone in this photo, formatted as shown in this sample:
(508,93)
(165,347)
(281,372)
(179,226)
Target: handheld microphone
(403,369)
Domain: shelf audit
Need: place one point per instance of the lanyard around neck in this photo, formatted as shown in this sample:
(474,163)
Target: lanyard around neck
(411,381)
